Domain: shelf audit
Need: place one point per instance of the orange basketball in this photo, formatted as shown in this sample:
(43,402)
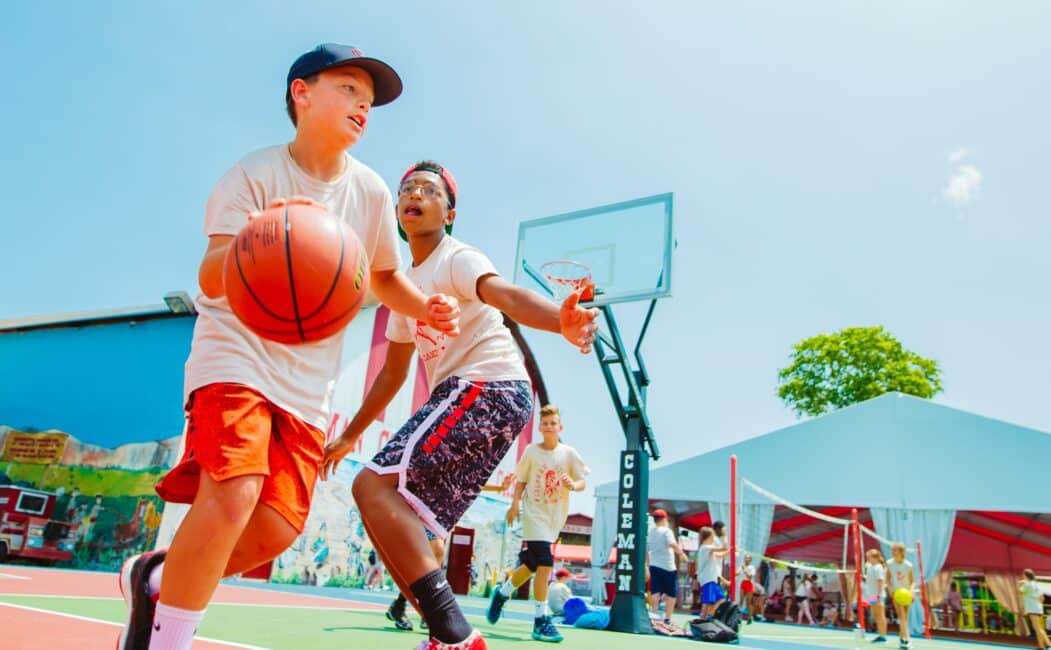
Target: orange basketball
(296,274)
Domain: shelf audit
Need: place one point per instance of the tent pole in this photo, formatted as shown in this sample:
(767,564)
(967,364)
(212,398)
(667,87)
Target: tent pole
(860,622)
(733,528)
(923,592)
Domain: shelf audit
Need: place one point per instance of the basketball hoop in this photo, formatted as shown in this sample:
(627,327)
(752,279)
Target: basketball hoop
(566,277)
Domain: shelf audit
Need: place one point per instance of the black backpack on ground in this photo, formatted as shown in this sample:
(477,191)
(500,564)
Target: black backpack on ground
(712,631)
(730,614)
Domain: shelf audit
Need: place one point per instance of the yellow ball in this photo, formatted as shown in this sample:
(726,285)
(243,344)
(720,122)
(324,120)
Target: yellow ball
(903,596)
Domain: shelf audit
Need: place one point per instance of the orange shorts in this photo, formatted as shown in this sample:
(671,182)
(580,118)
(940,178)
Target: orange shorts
(233,430)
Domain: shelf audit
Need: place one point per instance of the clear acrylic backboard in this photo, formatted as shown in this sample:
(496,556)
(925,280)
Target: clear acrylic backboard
(626,246)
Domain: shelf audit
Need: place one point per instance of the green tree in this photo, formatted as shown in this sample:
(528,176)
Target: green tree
(830,371)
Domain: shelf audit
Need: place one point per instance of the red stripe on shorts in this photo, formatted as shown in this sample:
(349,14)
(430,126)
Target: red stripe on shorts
(450,421)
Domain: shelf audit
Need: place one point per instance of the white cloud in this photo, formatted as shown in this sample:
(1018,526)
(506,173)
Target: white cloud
(964,185)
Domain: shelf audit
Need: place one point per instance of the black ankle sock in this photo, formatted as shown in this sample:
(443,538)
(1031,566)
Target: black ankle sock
(444,619)
(399,603)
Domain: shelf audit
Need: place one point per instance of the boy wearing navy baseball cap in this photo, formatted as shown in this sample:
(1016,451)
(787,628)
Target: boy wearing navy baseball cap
(257,410)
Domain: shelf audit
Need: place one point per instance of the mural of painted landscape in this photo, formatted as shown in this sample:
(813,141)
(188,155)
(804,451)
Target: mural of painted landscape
(69,504)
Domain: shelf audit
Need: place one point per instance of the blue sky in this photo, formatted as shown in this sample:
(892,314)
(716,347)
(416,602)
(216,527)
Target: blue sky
(834,164)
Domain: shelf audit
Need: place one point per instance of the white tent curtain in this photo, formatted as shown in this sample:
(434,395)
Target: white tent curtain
(603,535)
(753,527)
(932,528)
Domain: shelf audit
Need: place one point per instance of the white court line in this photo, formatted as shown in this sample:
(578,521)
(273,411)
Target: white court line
(355,607)
(232,644)
(14,577)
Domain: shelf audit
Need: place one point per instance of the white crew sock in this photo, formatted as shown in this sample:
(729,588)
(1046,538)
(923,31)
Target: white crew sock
(173,628)
(541,608)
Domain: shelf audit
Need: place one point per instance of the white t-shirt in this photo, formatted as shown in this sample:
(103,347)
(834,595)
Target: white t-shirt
(658,543)
(874,574)
(899,574)
(708,568)
(748,572)
(485,349)
(1032,597)
(557,595)
(298,378)
(545,501)
(803,588)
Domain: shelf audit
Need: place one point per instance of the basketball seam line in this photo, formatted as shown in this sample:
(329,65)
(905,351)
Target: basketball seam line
(248,286)
(291,278)
(335,280)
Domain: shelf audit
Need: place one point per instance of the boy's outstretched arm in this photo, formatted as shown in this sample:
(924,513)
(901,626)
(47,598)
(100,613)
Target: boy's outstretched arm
(388,382)
(440,311)
(572,321)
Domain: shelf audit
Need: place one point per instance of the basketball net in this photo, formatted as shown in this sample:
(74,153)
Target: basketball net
(565,277)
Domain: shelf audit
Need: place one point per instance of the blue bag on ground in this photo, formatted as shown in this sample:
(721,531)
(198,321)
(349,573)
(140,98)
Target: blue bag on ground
(596,620)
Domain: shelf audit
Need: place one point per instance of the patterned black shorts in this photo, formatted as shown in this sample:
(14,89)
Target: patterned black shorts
(447,451)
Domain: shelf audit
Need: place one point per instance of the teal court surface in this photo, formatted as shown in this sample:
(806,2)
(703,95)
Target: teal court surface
(43,609)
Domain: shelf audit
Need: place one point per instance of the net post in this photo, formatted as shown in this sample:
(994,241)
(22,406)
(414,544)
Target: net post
(860,620)
(733,528)
(923,592)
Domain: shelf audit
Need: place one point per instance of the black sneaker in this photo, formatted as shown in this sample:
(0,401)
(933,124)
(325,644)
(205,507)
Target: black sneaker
(879,639)
(135,588)
(496,607)
(545,630)
(397,615)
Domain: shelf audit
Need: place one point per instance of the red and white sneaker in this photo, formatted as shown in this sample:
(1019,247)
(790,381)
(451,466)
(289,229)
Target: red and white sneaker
(135,588)
(472,642)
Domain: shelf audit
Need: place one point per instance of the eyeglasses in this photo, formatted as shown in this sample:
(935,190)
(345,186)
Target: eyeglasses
(429,191)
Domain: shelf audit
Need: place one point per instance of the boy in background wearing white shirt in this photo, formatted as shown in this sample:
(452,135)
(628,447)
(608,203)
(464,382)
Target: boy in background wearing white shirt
(709,571)
(1033,606)
(559,592)
(547,472)
(900,576)
(661,550)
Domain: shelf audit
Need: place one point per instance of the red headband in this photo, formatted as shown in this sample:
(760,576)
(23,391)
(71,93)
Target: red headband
(445,174)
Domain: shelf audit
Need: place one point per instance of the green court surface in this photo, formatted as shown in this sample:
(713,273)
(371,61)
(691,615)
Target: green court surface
(292,627)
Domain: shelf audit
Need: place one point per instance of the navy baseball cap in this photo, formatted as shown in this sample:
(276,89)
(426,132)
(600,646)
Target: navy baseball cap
(385,80)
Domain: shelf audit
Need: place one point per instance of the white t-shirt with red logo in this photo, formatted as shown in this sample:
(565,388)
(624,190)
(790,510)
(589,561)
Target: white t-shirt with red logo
(485,349)
(545,501)
(899,574)
(298,378)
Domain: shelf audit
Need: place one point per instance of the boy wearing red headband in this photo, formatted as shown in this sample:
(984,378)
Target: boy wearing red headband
(432,470)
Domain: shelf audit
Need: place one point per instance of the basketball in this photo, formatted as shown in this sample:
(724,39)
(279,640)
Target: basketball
(903,596)
(296,274)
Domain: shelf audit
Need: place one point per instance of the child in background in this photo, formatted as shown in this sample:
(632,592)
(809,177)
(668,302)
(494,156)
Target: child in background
(874,590)
(901,576)
(709,572)
(828,614)
(803,600)
(547,472)
(559,592)
(1033,606)
(788,591)
(747,573)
